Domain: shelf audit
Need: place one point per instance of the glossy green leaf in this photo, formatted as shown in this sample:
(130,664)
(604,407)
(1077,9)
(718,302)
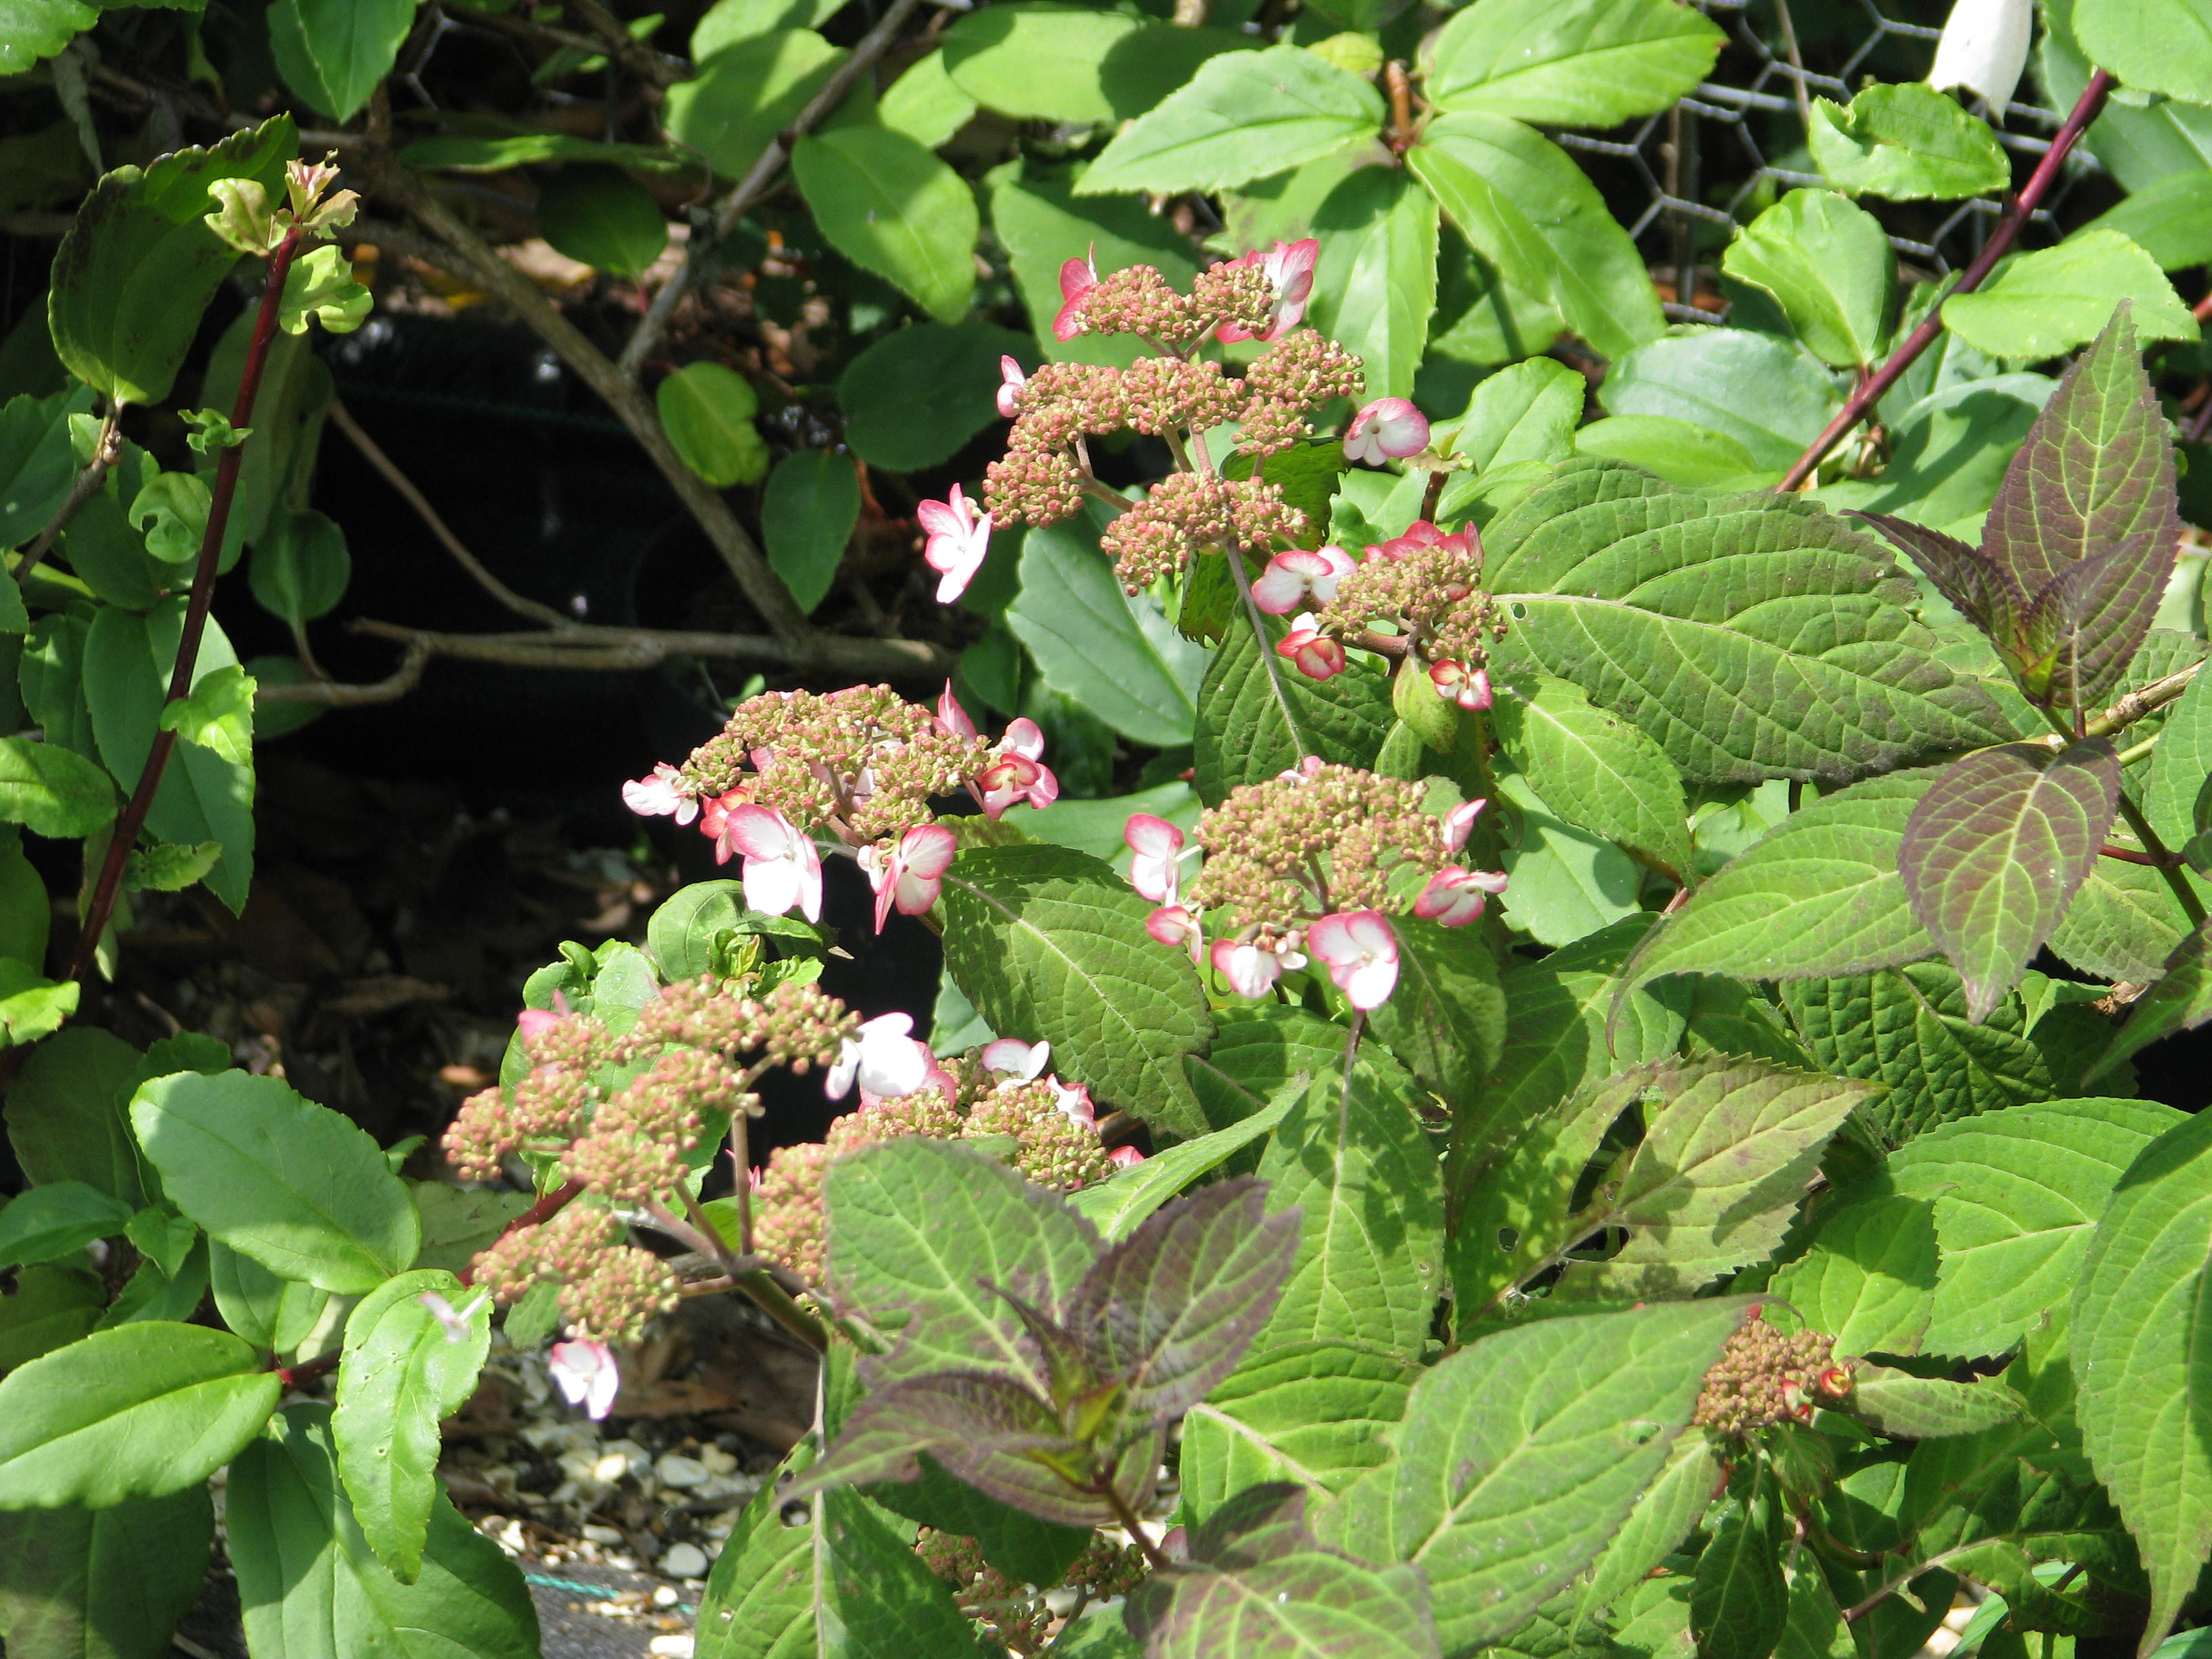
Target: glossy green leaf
(1580,66)
(1525,206)
(1739,1601)
(914,1225)
(272,1313)
(66,1121)
(918,394)
(102,1584)
(807,514)
(402,1372)
(1594,769)
(1870,1279)
(139,265)
(1049,942)
(1996,849)
(2153,45)
(1036,60)
(301,571)
(892,208)
(1115,654)
(37,466)
(1907,143)
(1257,715)
(52,1307)
(311,1588)
(58,1220)
(1766,394)
(2124,923)
(1316,1412)
(2015,1194)
(32,1006)
(2172,221)
(51,792)
(1908,1408)
(707,411)
(1526,411)
(292,1184)
(1257,1050)
(746,93)
(1567,883)
(1818,895)
(349,47)
(128,660)
(1828,264)
(1729,1148)
(1907,1028)
(1243,116)
(1664,1516)
(141,1411)
(1751,637)
(2040,303)
(1353,1157)
(1374,284)
(217,716)
(2142,1363)
(1117,1205)
(1678,450)
(32,29)
(601,215)
(1257,1576)
(1546,1435)
(924,104)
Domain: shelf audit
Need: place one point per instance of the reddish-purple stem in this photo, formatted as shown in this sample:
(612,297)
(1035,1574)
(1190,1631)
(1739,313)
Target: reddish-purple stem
(2085,110)
(133,816)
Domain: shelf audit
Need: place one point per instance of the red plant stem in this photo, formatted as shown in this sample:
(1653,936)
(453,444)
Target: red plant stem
(2129,855)
(133,817)
(543,1210)
(299,1376)
(2086,108)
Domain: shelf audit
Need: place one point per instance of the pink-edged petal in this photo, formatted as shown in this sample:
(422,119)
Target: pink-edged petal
(773,886)
(1015,1058)
(951,716)
(1024,738)
(928,850)
(1459,822)
(759,832)
(1250,971)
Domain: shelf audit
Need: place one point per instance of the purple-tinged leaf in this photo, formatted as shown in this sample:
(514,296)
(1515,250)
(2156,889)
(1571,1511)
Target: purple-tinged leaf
(1996,851)
(1171,1309)
(2179,999)
(1976,585)
(990,1432)
(2056,640)
(2096,472)
(1261,1586)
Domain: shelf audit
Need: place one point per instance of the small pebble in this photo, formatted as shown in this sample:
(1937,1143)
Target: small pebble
(670,1647)
(603,1534)
(611,1468)
(677,1470)
(665,1596)
(684,1561)
(717,1461)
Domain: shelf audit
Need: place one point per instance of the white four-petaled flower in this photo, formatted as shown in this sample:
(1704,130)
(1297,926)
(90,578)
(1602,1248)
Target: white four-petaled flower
(882,1058)
(959,537)
(1293,578)
(783,868)
(1361,954)
(586,1375)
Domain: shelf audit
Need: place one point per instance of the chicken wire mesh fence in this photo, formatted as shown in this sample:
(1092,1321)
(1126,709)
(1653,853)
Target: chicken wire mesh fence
(1682,180)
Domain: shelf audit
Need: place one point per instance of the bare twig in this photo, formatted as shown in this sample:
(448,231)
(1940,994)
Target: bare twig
(645,339)
(106,450)
(622,648)
(373,452)
(133,816)
(637,56)
(402,680)
(2085,110)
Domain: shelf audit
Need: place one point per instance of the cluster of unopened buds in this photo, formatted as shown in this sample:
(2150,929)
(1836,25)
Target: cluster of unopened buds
(1766,1376)
(1306,866)
(1416,593)
(860,765)
(1001,1090)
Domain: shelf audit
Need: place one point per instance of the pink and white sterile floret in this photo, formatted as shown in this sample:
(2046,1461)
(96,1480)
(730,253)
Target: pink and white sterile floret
(783,868)
(586,1375)
(1253,966)
(911,875)
(1076,278)
(1158,854)
(1388,429)
(1360,952)
(1010,390)
(1300,576)
(1016,1060)
(1017,771)
(1456,896)
(661,795)
(959,537)
(1290,268)
(1313,654)
(883,1058)
(1177,927)
(1456,683)
(1459,822)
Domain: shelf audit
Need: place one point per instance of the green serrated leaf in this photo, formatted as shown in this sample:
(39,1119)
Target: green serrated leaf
(1315,1413)
(401,1372)
(1996,849)
(1446,1020)
(1829,266)
(1258,716)
(51,791)
(1739,1599)
(320,287)
(1117,1205)
(1664,1516)
(290,1184)
(2143,1359)
(1870,1279)
(1546,1433)
(1242,116)
(141,1411)
(892,208)
(217,714)
(32,29)
(2040,303)
(1908,1408)
(2015,1196)
(1585,66)
(1595,769)
(1048,943)
(1905,142)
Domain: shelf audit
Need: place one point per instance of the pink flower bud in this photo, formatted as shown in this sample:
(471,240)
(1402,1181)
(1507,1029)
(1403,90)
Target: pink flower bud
(1076,278)
(1459,822)
(1389,428)
(1010,392)
(1317,655)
